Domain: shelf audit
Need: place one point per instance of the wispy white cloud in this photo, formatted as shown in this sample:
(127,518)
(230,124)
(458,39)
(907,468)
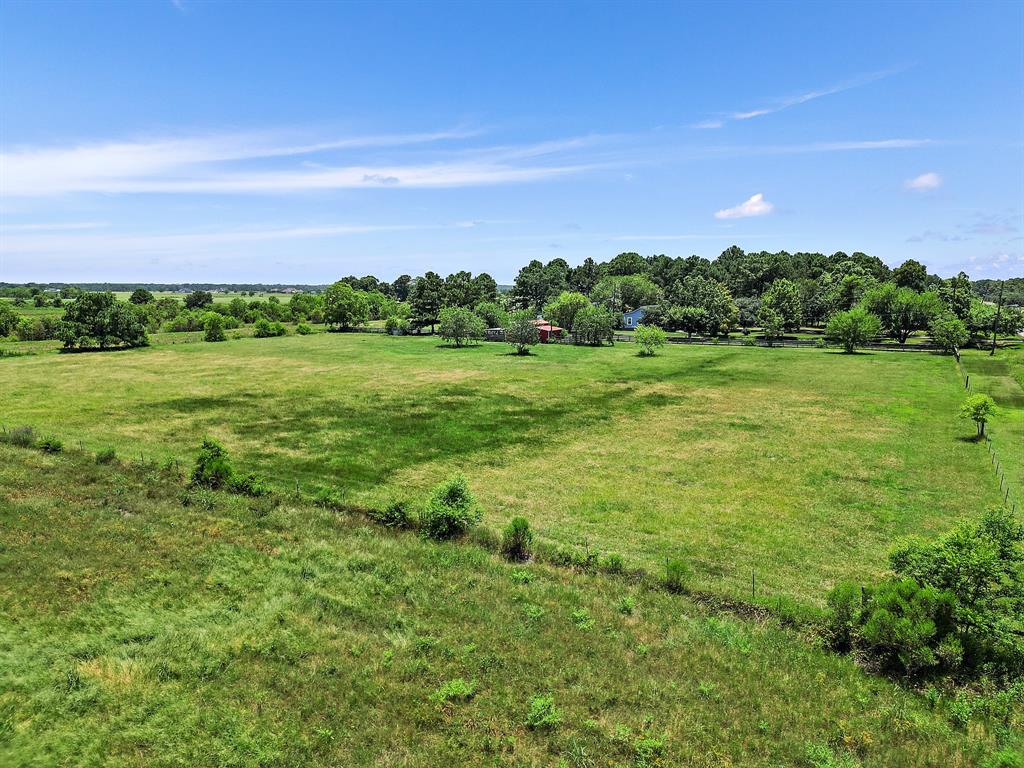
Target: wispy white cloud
(209,165)
(190,242)
(924,182)
(52,227)
(778,105)
(755,205)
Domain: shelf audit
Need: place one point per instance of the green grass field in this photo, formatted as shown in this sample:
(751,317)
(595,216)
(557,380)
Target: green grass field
(138,632)
(801,466)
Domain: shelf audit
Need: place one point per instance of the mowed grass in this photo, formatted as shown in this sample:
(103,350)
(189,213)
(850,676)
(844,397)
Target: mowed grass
(138,632)
(801,466)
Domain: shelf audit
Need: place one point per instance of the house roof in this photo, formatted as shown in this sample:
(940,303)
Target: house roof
(544,325)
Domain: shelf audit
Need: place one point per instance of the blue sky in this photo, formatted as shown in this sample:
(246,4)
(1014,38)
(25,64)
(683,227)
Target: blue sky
(177,140)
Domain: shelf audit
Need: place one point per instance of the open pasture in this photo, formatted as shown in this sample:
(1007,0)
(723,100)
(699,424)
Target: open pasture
(802,466)
(138,632)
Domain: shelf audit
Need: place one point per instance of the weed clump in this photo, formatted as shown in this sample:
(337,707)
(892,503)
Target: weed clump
(394,515)
(106,456)
(213,467)
(517,540)
(677,573)
(51,444)
(543,714)
(23,437)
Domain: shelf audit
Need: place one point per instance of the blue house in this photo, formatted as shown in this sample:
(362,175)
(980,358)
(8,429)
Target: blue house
(634,317)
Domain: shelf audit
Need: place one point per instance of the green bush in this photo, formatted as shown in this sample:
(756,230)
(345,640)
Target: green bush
(450,511)
(517,540)
(955,605)
(264,329)
(394,515)
(51,444)
(454,690)
(23,437)
(213,324)
(106,456)
(303,329)
(649,337)
(213,468)
(250,485)
(676,575)
(613,563)
(543,714)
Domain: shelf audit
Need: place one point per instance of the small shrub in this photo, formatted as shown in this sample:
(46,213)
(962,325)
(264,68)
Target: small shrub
(543,715)
(23,437)
(213,468)
(51,444)
(265,329)
(250,485)
(626,605)
(106,456)
(213,325)
(328,498)
(582,619)
(450,511)
(748,341)
(394,515)
(454,690)
(303,329)
(517,540)
(676,575)
(649,337)
(613,563)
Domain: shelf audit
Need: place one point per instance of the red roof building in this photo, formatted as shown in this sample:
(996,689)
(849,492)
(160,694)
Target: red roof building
(548,331)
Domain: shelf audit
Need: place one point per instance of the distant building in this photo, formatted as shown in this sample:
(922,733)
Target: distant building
(635,317)
(548,331)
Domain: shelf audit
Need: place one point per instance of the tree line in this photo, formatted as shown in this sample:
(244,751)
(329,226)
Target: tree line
(855,297)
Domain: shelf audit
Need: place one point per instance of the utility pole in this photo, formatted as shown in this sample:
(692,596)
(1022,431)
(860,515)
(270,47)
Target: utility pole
(995,323)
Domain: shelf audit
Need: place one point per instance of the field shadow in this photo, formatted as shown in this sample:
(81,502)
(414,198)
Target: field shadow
(360,442)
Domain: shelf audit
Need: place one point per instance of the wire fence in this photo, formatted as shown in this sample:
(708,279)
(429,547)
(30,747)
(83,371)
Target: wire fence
(1008,495)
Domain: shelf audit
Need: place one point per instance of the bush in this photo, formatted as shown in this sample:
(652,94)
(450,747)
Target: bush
(676,575)
(613,563)
(543,714)
(106,456)
(649,337)
(23,437)
(594,325)
(213,468)
(51,444)
(394,515)
(250,485)
(450,511)
(398,326)
(517,540)
(213,324)
(264,329)
(454,690)
(954,605)
(304,329)
(948,331)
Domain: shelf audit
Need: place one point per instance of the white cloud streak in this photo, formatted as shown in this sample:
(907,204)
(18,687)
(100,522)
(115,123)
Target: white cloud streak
(190,242)
(778,105)
(205,165)
(755,205)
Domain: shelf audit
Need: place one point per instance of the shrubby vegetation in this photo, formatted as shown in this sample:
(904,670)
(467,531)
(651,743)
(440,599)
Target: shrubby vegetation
(450,511)
(650,338)
(955,605)
(979,408)
(99,320)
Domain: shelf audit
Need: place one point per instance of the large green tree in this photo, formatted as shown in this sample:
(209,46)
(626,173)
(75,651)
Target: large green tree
(426,298)
(99,320)
(563,310)
(344,306)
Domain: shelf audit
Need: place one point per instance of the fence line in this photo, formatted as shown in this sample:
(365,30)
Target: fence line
(997,465)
